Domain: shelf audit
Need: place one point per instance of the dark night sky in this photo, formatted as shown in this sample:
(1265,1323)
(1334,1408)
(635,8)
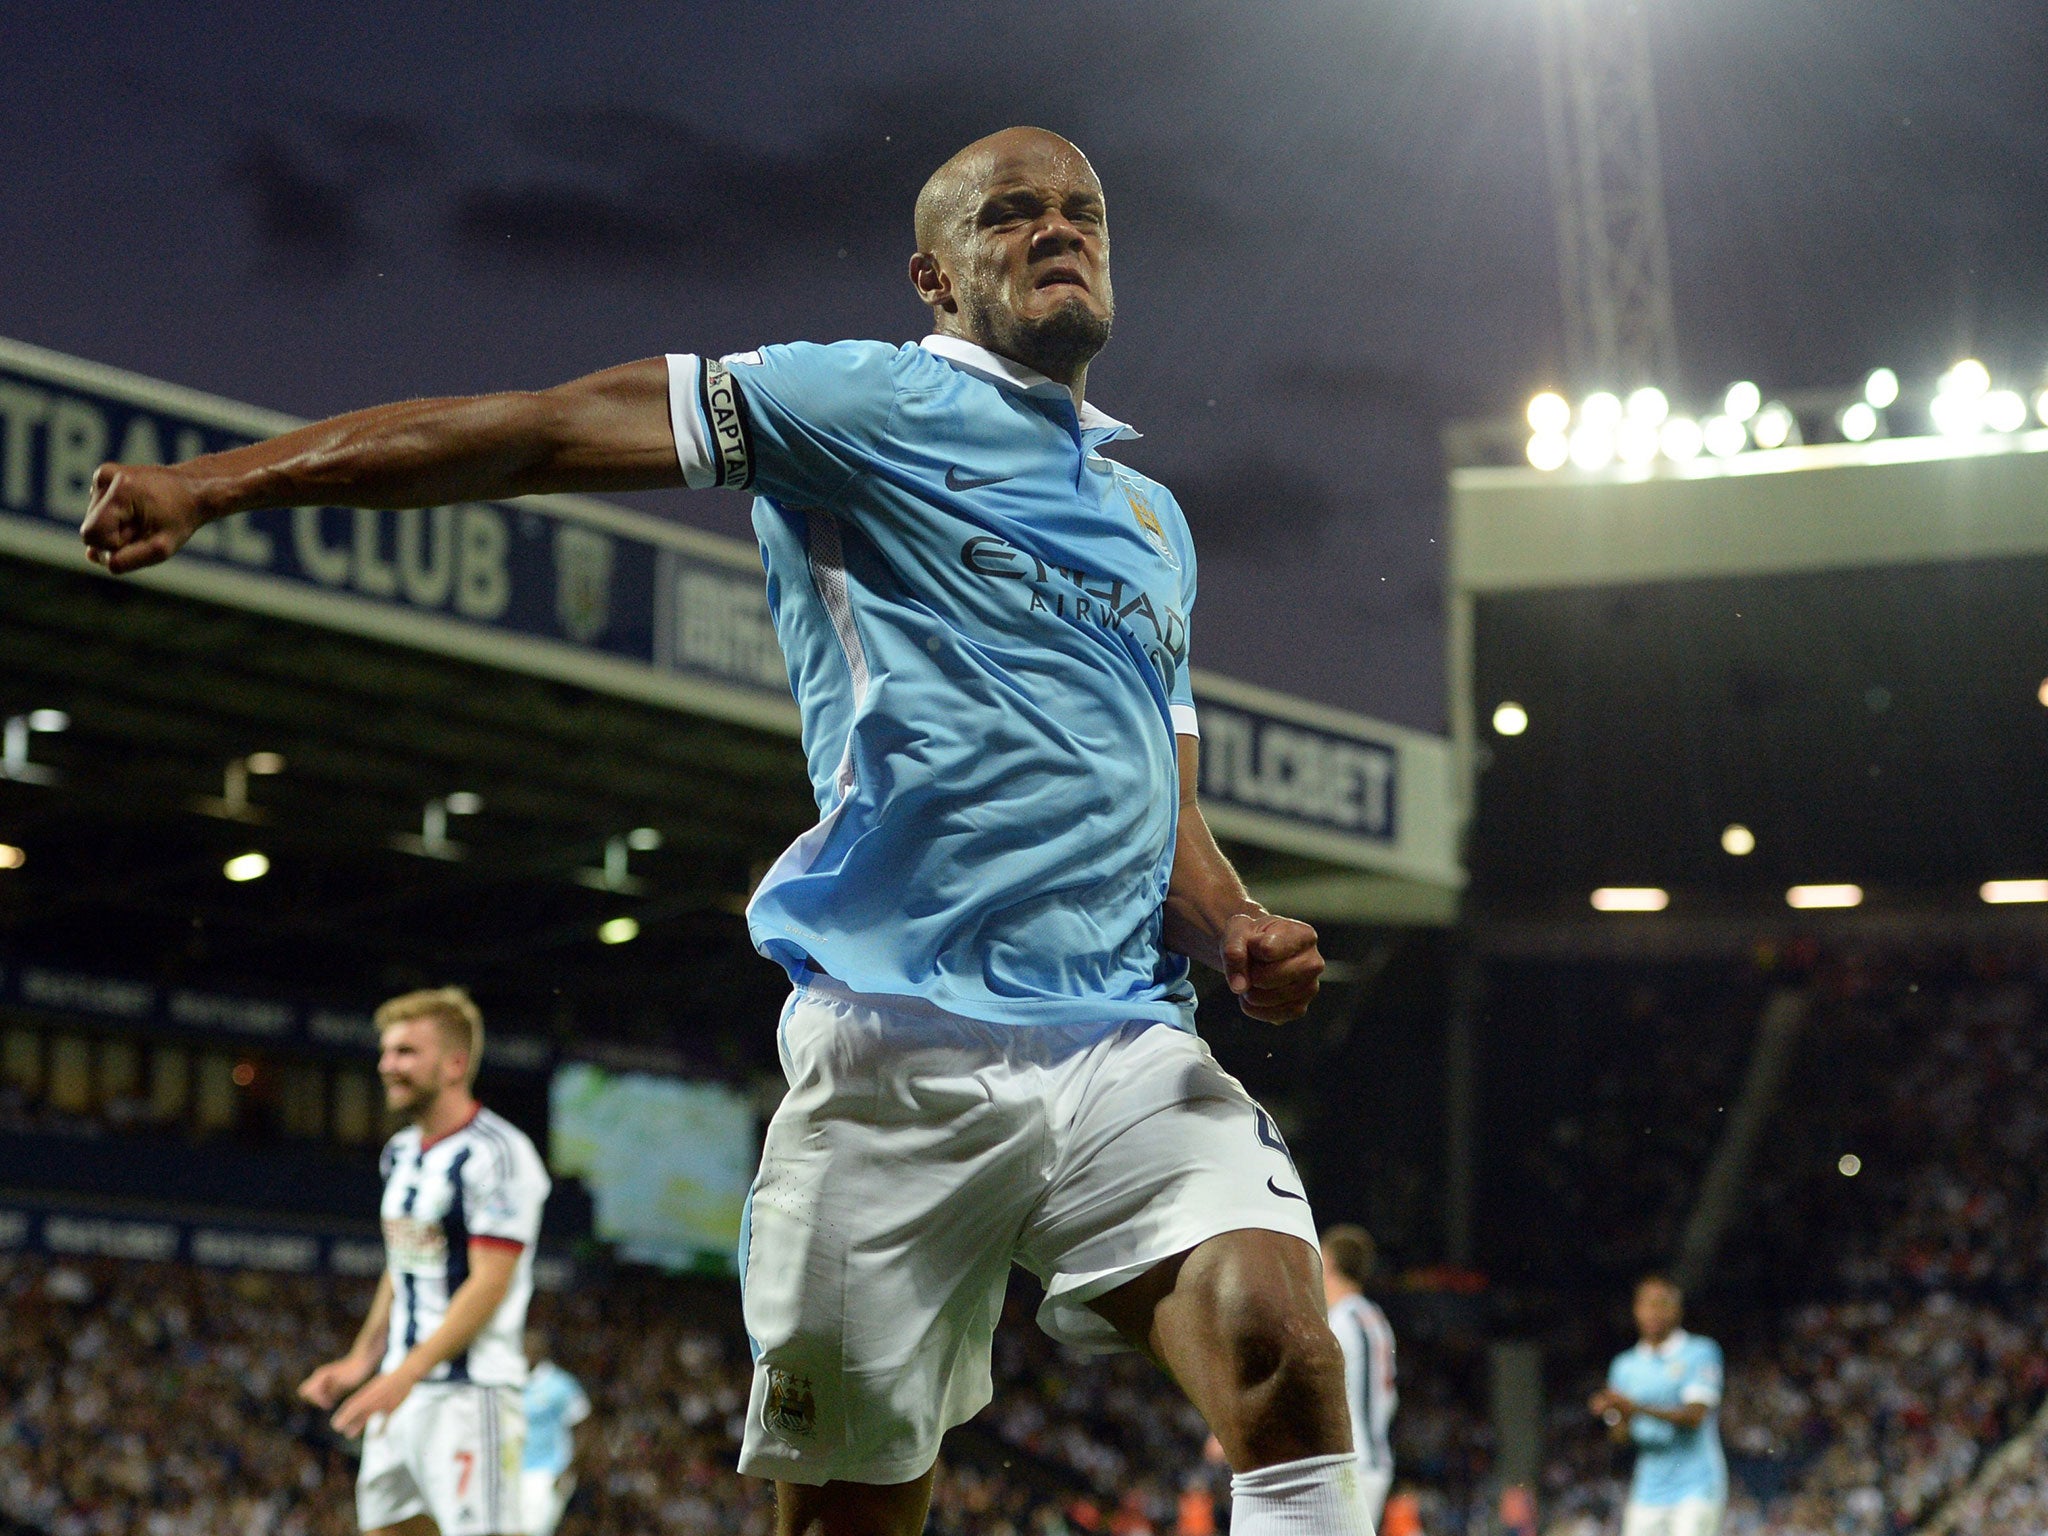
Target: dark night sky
(1331,224)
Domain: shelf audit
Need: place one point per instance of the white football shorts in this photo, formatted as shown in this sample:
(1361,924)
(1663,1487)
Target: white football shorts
(1687,1517)
(451,1450)
(545,1497)
(915,1157)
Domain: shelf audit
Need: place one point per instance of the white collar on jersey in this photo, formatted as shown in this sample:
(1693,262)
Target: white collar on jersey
(1673,1342)
(998,369)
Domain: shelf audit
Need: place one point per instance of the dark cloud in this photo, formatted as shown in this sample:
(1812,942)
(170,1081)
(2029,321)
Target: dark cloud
(555,226)
(633,191)
(304,219)
(1254,499)
(372,146)
(305,172)
(1361,382)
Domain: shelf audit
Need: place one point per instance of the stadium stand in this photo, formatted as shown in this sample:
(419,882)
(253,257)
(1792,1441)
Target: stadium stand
(1883,1316)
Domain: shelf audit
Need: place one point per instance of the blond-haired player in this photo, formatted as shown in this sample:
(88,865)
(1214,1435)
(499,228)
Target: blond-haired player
(463,1188)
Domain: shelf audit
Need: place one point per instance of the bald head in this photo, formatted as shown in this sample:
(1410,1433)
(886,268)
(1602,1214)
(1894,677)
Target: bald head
(953,192)
(1013,252)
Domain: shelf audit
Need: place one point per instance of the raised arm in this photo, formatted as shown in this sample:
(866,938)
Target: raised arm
(1271,963)
(607,431)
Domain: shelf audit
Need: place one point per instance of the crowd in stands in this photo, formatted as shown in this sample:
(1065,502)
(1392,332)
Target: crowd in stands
(1884,1331)
(1884,1297)
(1593,1192)
(145,1399)
(157,1400)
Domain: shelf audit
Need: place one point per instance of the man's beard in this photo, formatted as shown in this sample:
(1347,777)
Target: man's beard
(415,1105)
(1058,345)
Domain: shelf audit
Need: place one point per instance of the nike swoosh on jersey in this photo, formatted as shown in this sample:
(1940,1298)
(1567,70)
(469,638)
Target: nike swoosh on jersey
(1285,1194)
(955,481)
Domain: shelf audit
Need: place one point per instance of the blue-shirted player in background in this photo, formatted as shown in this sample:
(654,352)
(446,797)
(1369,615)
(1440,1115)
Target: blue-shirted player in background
(555,1405)
(989,1046)
(1664,1395)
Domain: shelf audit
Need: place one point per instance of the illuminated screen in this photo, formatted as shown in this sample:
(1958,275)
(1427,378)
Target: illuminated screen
(667,1162)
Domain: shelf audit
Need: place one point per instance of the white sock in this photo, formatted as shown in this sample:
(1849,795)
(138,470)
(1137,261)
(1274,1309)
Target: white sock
(1316,1496)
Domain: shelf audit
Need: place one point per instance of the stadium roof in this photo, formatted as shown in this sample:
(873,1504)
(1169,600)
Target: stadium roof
(1839,649)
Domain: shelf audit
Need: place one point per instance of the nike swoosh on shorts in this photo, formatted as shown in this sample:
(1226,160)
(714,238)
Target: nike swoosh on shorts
(955,481)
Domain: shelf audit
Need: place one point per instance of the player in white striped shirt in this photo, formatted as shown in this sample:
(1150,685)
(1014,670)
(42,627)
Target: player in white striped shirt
(1368,1345)
(442,1426)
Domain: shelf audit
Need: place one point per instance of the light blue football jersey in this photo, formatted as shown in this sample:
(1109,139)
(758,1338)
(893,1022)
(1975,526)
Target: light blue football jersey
(555,1403)
(1674,1464)
(986,625)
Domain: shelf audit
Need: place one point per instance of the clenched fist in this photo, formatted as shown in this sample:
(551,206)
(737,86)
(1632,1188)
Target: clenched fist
(1273,965)
(141,514)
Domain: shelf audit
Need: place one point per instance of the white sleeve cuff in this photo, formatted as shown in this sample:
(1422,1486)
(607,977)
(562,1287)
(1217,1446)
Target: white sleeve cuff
(1185,722)
(686,420)
(1705,1397)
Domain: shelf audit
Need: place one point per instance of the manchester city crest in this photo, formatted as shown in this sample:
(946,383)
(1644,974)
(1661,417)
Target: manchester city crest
(791,1408)
(1148,523)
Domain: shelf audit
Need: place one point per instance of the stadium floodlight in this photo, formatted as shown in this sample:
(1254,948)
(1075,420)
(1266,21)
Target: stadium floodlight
(1850,1165)
(619,930)
(1776,426)
(2041,693)
(1635,442)
(1550,414)
(2041,407)
(244,867)
(1881,389)
(1809,898)
(1549,450)
(1630,898)
(48,721)
(1510,719)
(2005,410)
(1648,405)
(1743,400)
(1681,439)
(11,857)
(1737,840)
(1859,422)
(1601,409)
(643,839)
(1593,447)
(1725,436)
(264,764)
(2000,893)
(464,803)
(1970,379)
(1956,414)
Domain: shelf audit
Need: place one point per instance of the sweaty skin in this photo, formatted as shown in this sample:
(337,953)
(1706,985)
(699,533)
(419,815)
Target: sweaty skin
(1013,252)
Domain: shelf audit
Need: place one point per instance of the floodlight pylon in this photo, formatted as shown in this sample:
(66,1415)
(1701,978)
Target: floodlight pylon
(1607,189)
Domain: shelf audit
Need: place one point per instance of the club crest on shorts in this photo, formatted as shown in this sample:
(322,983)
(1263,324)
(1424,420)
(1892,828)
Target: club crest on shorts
(791,1408)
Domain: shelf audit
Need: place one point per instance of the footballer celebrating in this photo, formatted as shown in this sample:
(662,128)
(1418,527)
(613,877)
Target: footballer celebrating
(441,1423)
(989,931)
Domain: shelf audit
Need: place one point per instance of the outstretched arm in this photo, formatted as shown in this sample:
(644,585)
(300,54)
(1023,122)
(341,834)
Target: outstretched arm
(606,431)
(1271,963)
